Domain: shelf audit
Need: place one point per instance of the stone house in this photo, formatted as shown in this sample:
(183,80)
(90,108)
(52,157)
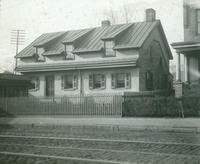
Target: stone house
(110,59)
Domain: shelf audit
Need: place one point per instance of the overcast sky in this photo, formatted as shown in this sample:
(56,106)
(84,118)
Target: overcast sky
(40,16)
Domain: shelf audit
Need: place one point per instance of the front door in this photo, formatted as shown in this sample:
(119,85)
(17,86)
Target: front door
(49,90)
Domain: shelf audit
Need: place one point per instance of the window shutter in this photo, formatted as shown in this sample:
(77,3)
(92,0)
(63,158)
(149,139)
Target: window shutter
(62,81)
(113,83)
(37,84)
(91,81)
(75,82)
(103,81)
(128,81)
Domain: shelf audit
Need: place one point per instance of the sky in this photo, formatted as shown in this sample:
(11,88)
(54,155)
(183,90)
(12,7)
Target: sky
(40,16)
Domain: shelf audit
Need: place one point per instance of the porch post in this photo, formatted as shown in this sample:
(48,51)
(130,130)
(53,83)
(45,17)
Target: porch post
(186,68)
(179,67)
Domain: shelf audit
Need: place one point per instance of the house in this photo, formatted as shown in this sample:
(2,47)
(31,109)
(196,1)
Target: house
(189,49)
(108,59)
(13,85)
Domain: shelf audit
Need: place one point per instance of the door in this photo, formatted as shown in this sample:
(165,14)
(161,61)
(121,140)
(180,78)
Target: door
(49,90)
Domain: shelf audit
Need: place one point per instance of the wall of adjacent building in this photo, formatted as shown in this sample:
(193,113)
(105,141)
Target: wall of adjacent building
(190,20)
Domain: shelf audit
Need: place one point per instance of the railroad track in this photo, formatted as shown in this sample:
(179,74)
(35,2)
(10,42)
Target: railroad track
(86,150)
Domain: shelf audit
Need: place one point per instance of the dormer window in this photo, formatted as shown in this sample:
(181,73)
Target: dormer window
(109,45)
(68,50)
(39,52)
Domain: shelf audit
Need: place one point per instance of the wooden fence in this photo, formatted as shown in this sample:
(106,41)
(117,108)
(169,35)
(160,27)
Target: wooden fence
(106,105)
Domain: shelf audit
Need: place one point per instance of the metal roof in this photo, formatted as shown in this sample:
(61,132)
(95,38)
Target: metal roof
(130,35)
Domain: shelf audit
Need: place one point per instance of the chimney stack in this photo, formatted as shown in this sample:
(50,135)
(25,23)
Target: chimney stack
(105,23)
(150,15)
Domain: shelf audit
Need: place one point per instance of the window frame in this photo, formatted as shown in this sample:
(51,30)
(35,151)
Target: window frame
(36,82)
(127,80)
(74,80)
(102,81)
(198,21)
(112,52)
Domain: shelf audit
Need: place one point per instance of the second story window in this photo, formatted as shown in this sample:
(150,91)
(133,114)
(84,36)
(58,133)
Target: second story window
(39,52)
(97,81)
(69,82)
(198,21)
(35,84)
(108,45)
(121,80)
(68,50)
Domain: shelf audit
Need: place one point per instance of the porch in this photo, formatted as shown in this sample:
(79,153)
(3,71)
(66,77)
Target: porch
(188,62)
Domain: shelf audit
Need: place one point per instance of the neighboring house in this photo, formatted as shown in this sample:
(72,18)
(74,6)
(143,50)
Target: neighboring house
(13,85)
(190,48)
(108,59)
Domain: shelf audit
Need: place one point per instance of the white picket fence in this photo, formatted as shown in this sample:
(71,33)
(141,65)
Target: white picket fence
(103,105)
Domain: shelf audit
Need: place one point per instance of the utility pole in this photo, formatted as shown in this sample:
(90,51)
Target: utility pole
(17,38)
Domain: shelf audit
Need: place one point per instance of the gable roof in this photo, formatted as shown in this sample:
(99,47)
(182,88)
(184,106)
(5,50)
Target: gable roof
(130,35)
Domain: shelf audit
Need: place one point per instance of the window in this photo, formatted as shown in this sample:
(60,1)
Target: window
(149,80)
(121,80)
(186,15)
(109,48)
(68,51)
(69,82)
(35,83)
(97,81)
(198,21)
(39,52)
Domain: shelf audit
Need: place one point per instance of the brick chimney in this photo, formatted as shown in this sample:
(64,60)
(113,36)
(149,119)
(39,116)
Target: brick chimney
(150,15)
(105,23)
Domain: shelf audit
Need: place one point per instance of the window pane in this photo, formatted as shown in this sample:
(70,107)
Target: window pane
(68,82)
(120,80)
(97,81)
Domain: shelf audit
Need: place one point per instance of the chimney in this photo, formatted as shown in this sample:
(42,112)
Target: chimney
(105,23)
(150,15)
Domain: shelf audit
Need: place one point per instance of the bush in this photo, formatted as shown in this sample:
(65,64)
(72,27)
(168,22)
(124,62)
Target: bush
(150,107)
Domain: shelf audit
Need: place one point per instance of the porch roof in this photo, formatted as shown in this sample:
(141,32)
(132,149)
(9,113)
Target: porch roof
(186,47)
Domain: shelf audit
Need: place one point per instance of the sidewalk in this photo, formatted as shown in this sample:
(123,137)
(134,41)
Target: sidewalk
(160,124)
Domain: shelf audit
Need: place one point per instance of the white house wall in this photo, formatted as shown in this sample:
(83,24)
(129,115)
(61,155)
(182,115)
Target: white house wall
(85,82)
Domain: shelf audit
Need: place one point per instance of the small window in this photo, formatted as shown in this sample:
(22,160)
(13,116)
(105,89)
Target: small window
(121,80)
(97,81)
(68,51)
(109,48)
(149,80)
(34,84)
(69,82)
(198,21)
